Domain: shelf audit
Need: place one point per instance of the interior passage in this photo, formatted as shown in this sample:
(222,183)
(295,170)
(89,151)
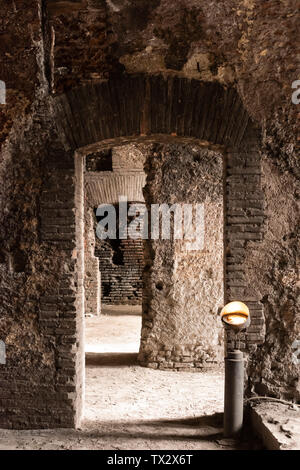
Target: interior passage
(131,407)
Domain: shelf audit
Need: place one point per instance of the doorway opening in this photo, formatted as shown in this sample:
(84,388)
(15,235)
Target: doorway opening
(115,331)
(113,264)
(154,110)
(157,298)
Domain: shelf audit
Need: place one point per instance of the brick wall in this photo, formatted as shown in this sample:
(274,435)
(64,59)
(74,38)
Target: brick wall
(244,227)
(121,271)
(121,263)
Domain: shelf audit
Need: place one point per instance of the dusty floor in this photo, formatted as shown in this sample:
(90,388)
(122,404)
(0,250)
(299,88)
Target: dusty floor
(118,329)
(131,407)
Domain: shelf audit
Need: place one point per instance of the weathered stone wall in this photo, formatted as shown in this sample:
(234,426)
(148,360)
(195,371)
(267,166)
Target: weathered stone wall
(176,302)
(183,287)
(248,44)
(40,383)
(22,53)
(274,270)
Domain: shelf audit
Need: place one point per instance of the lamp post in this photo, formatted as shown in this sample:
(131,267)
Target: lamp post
(236,318)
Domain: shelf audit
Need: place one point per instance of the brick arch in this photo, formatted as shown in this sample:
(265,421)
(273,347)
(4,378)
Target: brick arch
(139,107)
(136,106)
(145,105)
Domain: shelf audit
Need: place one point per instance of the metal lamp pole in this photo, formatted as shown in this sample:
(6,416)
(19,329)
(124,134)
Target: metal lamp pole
(234,393)
(236,318)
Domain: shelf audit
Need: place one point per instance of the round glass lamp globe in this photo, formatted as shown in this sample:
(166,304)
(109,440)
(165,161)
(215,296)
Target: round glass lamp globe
(235,313)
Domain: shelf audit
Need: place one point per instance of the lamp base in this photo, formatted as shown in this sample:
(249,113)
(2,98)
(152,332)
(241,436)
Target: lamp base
(234,393)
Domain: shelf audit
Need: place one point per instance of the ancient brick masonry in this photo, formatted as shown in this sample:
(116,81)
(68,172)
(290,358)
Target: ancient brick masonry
(243,227)
(237,60)
(244,224)
(49,372)
(62,229)
(121,281)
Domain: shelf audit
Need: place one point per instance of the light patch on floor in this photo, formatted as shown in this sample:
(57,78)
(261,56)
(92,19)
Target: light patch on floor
(117,329)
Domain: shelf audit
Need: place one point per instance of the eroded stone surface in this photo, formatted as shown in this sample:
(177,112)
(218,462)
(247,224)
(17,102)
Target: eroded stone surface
(184,286)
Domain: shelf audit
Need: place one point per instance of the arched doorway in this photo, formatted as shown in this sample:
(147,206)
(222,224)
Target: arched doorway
(135,106)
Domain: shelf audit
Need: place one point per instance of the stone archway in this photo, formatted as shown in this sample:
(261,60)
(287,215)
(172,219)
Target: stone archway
(117,109)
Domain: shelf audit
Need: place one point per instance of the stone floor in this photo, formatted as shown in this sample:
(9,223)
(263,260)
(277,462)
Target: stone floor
(130,407)
(117,329)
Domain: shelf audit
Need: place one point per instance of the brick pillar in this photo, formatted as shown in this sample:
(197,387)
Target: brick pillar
(61,309)
(244,217)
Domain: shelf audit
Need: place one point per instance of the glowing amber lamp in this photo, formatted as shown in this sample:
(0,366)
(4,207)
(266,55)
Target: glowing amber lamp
(235,313)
